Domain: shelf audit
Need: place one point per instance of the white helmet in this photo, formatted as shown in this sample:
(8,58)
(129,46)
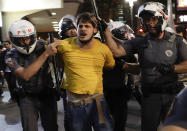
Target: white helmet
(155,9)
(120,31)
(67,18)
(20,29)
(169,29)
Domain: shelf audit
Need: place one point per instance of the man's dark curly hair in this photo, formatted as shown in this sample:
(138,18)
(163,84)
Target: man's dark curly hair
(87,17)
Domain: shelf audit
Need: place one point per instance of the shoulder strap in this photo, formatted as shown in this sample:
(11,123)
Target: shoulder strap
(40,48)
(143,47)
(172,38)
(177,46)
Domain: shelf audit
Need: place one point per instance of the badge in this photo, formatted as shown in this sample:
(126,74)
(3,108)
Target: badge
(184,40)
(169,53)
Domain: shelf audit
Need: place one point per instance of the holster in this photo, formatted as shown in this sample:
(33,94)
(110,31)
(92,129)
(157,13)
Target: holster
(63,93)
(56,93)
(170,88)
(18,93)
(50,92)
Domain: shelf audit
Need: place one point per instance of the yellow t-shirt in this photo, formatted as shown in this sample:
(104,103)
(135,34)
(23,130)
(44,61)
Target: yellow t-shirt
(83,68)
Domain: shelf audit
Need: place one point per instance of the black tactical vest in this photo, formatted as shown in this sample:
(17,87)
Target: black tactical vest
(42,80)
(164,51)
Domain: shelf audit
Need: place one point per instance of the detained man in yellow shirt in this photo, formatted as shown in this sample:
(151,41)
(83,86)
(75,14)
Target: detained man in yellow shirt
(83,59)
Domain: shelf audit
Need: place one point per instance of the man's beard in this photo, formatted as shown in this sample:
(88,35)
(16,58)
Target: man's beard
(157,33)
(86,41)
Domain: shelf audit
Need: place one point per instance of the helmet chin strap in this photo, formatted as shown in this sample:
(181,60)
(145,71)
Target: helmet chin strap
(158,31)
(27,47)
(86,41)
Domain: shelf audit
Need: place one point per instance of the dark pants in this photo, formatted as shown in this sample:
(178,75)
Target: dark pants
(11,81)
(2,84)
(1,91)
(64,95)
(33,107)
(117,102)
(66,125)
(154,109)
(2,80)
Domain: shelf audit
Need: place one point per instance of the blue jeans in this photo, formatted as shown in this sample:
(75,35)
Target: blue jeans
(84,117)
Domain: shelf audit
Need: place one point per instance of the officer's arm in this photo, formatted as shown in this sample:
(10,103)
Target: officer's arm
(27,72)
(182,49)
(181,68)
(116,49)
(132,68)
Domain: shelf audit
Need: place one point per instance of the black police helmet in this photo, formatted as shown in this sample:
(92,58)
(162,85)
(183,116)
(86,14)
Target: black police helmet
(64,26)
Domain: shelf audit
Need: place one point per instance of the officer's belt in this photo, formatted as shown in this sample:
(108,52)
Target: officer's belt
(161,88)
(90,99)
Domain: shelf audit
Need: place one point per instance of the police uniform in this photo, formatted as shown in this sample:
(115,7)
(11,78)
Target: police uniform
(177,115)
(35,96)
(116,92)
(158,89)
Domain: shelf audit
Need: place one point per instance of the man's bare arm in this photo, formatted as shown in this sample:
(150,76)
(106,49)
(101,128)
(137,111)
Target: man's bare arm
(116,49)
(132,68)
(27,72)
(181,68)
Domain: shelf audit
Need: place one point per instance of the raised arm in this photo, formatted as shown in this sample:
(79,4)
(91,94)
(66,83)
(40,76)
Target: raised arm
(116,49)
(181,68)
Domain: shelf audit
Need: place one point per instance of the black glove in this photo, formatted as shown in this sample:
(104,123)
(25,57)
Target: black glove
(63,93)
(103,24)
(165,69)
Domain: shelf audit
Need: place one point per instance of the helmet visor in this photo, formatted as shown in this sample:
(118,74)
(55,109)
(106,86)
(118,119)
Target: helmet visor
(121,32)
(22,41)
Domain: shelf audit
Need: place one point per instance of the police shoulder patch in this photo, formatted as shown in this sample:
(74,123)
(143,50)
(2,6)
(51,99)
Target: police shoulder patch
(169,53)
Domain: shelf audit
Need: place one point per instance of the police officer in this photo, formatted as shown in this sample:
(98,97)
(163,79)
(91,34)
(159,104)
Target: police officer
(177,116)
(29,62)
(116,92)
(6,72)
(162,55)
(67,29)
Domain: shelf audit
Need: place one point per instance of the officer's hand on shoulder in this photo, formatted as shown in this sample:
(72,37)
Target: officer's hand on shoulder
(165,69)
(103,24)
(52,48)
